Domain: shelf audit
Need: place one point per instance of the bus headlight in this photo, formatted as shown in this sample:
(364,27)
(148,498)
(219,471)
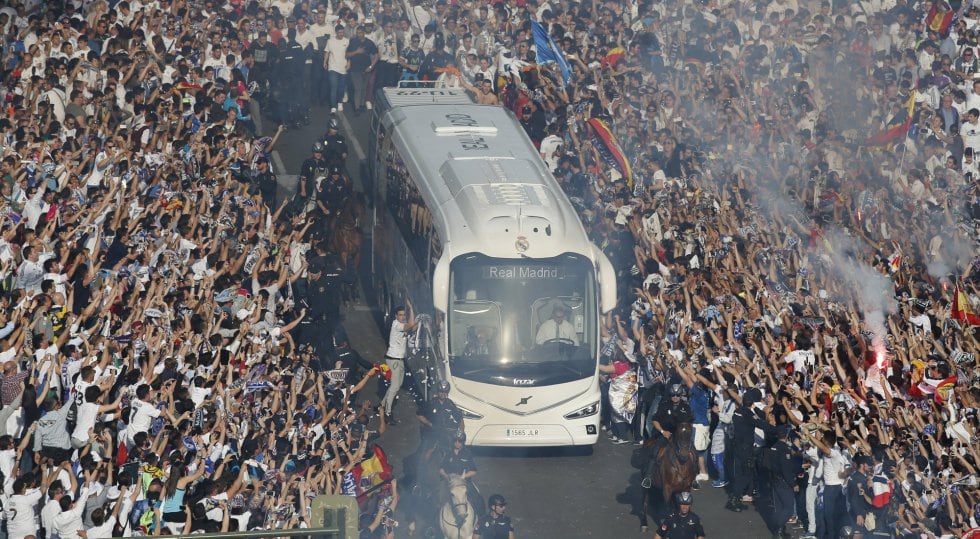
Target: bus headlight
(589,410)
(467,414)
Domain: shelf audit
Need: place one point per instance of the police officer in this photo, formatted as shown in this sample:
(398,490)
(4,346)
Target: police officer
(264,181)
(436,60)
(857,491)
(669,415)
(345,357)
(334,145)
(682,523)
(323,302)
(495,524)
(314,167)
(294,58)
(784,467)
(744,423)
(441,419)
(333,192)
(459,461)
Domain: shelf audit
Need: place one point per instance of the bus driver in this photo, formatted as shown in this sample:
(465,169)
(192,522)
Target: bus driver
(557,328)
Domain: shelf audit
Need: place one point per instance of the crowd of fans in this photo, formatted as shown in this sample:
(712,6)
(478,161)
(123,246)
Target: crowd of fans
(771,257)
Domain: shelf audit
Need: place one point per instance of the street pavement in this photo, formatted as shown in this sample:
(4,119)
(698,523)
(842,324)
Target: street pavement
(552,493)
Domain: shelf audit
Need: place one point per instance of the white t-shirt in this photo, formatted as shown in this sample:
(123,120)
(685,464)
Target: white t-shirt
(51,509)
(8,458)
(85,420)
(102,532)
(397,341)
(21,513)
(141,416)
(337,49)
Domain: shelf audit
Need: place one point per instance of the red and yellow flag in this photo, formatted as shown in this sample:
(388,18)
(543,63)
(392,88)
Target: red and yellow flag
(613,57)
(940,17)
(604,141)
(962,310)
(897,127)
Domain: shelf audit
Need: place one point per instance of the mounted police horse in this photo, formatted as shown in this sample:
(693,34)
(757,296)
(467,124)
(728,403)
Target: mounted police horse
(672,467)
(457,518)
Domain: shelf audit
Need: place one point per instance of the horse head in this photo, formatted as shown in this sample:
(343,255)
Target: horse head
(457,489)
(682,441)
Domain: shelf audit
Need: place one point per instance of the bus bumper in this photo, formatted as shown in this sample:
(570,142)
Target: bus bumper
(531,435)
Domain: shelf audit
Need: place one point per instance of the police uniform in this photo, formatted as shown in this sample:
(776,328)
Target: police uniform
(312,169)
(445,418)
(324,304)
(678,526)
(785,467)
(334,192)
(266,183)
(335,149)
(459,463)
(669,415)
(744,423)
(352,361)
(489,527)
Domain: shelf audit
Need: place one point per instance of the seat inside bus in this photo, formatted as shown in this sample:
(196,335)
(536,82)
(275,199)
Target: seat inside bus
(476,316)
(541,312)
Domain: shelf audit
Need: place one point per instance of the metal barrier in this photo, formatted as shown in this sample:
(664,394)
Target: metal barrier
(332,517)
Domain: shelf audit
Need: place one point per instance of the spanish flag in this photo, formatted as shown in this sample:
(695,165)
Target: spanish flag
(940,17)
(371,472)
(613,57)
(897,127)
(605,143)
(962,310)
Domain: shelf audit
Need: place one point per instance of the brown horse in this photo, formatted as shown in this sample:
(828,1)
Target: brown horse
(674,467)
(346,239)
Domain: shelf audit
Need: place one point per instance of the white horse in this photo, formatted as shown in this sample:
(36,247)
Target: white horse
(457,519)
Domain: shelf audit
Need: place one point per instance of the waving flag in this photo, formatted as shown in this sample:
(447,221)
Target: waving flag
(371,472)
(605,142)
(940,17)
(546,51)
(881,490)
(613,57)
(962,310)
(897,127)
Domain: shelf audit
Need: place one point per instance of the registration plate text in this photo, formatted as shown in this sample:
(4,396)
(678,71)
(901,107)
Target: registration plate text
(522,432)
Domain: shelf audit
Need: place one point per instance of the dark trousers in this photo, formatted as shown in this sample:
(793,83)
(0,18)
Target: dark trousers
(319,88)
(801,512)
(388,75)
(359,79)
(783,501)
(742,471)
(834,510)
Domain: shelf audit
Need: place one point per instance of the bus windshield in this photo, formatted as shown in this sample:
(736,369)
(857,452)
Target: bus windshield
(521,321)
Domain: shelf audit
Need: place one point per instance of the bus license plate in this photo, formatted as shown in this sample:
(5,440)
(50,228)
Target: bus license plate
(522,432)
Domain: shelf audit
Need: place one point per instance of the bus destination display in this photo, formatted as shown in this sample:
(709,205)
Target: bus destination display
(522,272)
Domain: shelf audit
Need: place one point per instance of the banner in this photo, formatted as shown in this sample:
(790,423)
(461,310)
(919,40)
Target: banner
(605,142)
(546,51)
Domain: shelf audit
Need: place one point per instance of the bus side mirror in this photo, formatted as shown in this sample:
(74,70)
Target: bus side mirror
(440,285)
(607,281)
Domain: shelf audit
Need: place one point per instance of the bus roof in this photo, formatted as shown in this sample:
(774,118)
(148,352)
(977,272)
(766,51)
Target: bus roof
(485,183)
(404,96)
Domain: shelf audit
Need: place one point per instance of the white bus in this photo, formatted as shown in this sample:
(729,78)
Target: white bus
(472,226)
